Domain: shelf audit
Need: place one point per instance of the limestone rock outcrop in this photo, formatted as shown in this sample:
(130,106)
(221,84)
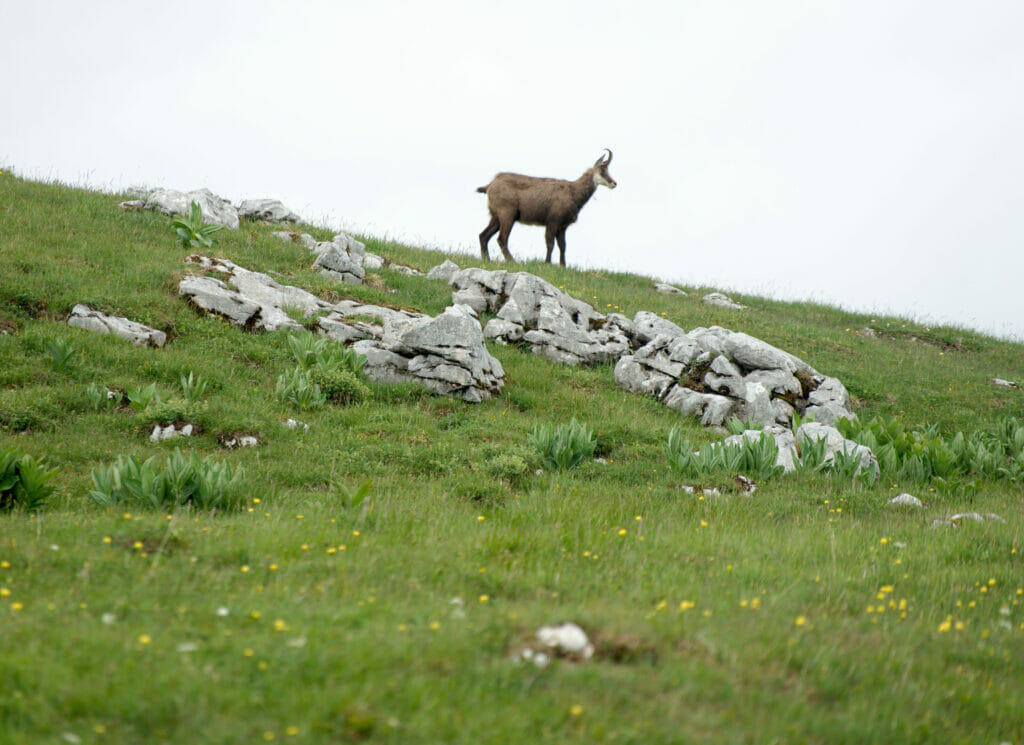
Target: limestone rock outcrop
(216,211)
(267,210)
(554,324)
(714,374)
(445,353)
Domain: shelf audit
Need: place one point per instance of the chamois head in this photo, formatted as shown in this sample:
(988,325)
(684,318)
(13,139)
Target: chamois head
(601,175)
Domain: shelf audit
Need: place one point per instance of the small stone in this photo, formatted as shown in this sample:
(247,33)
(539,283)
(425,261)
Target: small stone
(721,301)
(567,638)
(905,500)
(248,442)
(668,289)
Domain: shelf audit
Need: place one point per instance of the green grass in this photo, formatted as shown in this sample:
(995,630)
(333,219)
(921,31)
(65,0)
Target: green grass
(717,619)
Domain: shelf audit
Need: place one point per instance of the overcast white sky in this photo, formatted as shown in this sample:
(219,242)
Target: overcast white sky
(864,153)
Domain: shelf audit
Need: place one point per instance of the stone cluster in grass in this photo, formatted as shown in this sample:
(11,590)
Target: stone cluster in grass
(529,309)
(711,373)
(215,209)
(446,354)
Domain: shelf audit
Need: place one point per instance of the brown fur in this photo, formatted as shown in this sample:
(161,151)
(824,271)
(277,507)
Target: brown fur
(551,202)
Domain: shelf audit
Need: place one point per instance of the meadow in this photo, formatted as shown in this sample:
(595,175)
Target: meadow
(808,612)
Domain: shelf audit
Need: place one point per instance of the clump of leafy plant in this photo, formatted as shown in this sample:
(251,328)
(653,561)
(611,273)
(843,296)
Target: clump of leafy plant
(754,458)
(193,387)
(24,480)
(180,481)
(171,411)
(62,353)
(101,398)
(923,455)
(139,397)
(507,467)
(192,231)
(312,351)
(562,447)
(325,371)
(296,388)
(339,385)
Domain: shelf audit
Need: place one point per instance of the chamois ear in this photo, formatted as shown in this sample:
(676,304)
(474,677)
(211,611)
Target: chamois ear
(604,161)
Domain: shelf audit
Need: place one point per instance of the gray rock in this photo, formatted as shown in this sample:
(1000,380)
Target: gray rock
(445,353)
(133,204)
(721,301)
(835,442)
(214,296)
(84,317)
(1005,383)
(373,262)
(336,263)
(267,210)
(216,211)
(555,324)
(285,235)
(961,518)
(248,299)
(755,354)
(905,500)
(503,331)
(778,382)
(648,325)
(444,271)
(668,289)
(783,412)
(471,297)
(758,405)
(403,269)
(829,402)
(724,377)
(712,409)
(784,440)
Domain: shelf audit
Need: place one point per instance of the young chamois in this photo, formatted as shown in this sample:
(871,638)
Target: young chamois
(551,202)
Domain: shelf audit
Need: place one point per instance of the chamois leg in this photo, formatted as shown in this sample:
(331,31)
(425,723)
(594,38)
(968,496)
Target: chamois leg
(485,236)
(561,246)
(549,239)
(506,228)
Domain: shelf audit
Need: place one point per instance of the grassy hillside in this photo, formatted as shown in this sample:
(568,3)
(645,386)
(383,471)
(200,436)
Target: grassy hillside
(809,612)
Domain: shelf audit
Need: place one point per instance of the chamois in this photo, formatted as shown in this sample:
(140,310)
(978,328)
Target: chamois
(551,202)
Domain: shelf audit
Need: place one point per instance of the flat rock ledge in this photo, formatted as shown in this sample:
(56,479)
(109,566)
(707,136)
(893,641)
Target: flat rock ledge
(446,354)
(84,317)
